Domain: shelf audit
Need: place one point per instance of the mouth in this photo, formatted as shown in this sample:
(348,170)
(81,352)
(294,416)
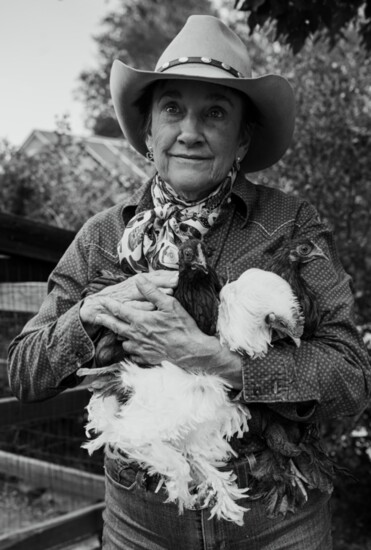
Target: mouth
(193,158)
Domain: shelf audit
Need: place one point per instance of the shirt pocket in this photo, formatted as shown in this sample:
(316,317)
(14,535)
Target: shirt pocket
(102,260)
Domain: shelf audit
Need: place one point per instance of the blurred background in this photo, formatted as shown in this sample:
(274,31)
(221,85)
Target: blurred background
(63,158)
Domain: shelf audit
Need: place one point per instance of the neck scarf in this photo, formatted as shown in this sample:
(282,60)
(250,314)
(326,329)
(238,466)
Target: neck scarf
(151,238)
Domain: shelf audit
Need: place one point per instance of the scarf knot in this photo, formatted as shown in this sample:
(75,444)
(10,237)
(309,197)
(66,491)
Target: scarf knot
(151,239)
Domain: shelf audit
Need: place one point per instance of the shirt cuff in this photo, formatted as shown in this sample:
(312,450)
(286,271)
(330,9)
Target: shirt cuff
(70,346)
(271,378)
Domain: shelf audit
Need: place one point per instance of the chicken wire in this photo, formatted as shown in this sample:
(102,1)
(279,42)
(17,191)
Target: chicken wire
(56,439)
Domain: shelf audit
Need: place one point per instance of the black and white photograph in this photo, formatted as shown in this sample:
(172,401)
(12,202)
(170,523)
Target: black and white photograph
(185,275)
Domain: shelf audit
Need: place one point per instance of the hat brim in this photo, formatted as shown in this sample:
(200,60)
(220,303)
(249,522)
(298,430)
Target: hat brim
(271,94)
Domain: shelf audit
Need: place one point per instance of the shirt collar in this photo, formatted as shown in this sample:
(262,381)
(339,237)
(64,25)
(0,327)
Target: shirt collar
(244,196)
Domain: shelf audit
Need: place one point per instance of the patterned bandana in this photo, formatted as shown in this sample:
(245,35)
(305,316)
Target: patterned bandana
(151,239)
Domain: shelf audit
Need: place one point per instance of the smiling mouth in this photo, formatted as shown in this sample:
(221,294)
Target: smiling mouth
(190,157)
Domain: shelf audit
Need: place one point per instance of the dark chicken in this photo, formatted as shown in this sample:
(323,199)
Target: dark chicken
(198,292)
(280,450)
(108,348)
(199,287)
(287,261)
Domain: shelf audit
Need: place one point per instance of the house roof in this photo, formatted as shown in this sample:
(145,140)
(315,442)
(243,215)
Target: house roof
(114,154)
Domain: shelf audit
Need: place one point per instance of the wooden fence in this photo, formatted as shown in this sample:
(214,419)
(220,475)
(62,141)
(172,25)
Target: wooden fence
(29,250)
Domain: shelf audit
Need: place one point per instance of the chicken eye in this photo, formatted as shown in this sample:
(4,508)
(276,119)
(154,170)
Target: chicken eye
(304,249)
(188,254)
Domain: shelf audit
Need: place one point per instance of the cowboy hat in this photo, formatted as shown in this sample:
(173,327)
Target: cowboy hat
(207,50)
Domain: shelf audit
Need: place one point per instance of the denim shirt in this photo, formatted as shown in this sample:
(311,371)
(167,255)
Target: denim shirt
(326,377)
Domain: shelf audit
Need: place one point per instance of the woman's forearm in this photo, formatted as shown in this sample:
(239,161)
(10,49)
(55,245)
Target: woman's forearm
(210,356)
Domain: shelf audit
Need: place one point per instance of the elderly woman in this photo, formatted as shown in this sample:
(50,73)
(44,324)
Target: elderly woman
(205,122)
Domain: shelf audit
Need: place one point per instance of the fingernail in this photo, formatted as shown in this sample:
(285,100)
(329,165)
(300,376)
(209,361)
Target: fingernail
(175,278)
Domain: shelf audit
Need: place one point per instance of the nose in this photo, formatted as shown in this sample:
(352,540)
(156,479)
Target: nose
(191,133)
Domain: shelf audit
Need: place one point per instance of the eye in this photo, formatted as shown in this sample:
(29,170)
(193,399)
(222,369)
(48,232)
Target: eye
(171,108)
(304,249)
(216,112)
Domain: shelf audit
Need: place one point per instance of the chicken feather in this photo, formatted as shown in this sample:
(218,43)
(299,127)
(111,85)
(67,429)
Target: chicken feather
(176,423)
(252,306)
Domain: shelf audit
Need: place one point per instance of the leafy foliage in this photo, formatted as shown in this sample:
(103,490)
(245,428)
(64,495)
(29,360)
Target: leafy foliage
(137,33)
(329,162)
(297,20)
(61,185)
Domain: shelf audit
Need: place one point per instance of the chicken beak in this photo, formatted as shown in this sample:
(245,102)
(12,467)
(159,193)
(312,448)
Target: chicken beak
(200,262)
(283,330)
(296,340)
(318,253)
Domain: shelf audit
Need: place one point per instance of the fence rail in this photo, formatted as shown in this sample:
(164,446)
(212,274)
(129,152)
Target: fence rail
(25,297)
(70,401)
(30,239)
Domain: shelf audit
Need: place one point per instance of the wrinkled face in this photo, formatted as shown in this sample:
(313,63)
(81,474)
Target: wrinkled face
(195,134)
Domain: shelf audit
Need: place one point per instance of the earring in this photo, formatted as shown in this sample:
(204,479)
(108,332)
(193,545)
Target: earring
(149,154)
(237,163)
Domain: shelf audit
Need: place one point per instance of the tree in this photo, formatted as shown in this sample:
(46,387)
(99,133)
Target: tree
(329,161)
(297,20)
(61,185)
(136,32)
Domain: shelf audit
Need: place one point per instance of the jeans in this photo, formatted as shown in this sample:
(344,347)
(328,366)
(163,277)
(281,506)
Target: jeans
(137,518)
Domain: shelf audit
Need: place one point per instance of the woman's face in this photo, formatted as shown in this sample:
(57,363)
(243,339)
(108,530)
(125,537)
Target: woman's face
(195,134)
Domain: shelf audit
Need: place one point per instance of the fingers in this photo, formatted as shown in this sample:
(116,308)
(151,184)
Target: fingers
(153,294)
(143,306)
(126,319)
(115,325)
(143,356)
(128,290)
(162,278)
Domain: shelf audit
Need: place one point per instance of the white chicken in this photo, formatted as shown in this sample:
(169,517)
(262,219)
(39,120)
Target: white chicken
(177,423)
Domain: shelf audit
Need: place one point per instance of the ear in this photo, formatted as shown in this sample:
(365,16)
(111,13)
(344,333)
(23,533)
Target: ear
(149,141)
(244,144)
(242,150)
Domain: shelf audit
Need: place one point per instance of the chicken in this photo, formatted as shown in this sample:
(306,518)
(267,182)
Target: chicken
(108,348)
(252,307)
(199,286)
(173,423)
(287,262)
(178,423)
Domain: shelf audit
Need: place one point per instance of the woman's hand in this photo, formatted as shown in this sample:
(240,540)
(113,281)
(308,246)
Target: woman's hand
(167,331)
(104,304)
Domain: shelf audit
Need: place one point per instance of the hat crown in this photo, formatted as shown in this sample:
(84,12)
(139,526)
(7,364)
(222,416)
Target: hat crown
(205,36)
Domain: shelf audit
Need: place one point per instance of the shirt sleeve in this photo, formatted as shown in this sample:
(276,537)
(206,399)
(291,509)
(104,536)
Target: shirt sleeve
(329,374)
(42,360)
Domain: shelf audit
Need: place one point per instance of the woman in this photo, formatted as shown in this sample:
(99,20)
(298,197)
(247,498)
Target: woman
(204,121)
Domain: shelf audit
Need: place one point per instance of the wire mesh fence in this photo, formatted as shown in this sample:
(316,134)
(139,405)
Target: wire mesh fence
(45,475)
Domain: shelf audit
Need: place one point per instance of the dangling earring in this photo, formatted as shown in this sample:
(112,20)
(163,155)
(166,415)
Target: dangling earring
(237,163)
(149,154)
